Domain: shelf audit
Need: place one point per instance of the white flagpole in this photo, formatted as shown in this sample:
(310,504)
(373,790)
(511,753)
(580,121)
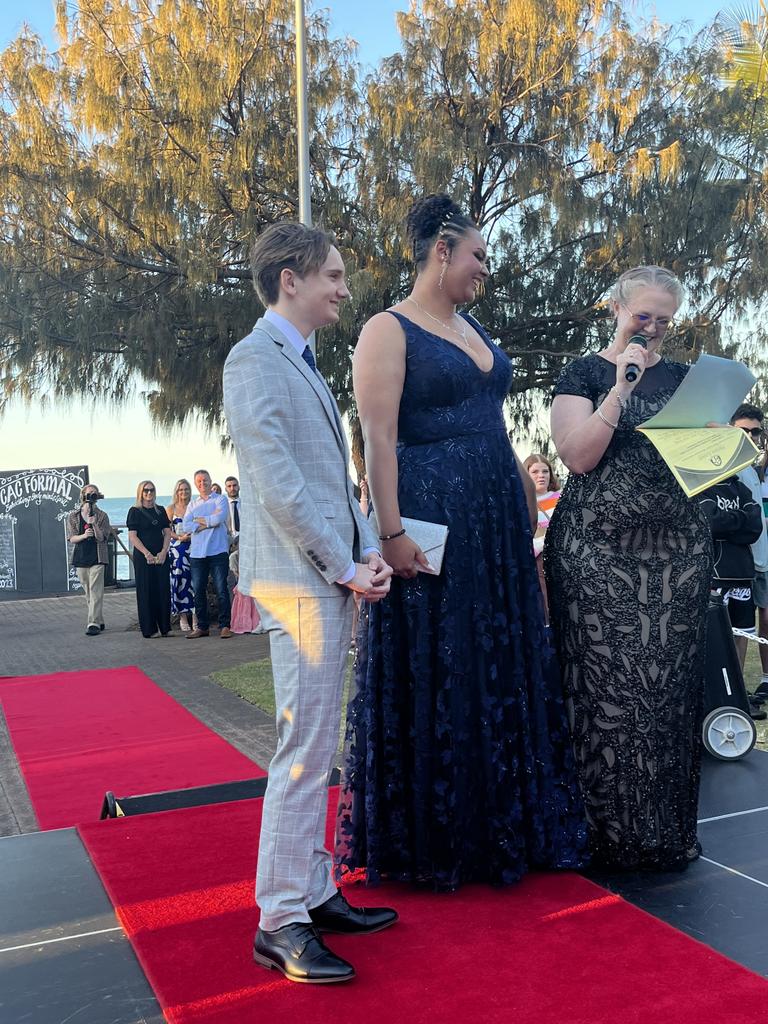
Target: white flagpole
(302,124)
(302,120)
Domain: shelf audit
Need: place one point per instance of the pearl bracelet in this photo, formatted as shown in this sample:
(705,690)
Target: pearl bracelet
(621,401)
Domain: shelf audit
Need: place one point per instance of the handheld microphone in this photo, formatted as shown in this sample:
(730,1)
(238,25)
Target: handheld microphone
(633,372)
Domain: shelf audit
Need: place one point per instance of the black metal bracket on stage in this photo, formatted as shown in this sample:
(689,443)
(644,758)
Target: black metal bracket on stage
(174,799)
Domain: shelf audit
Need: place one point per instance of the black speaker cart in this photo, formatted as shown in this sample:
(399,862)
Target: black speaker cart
(728,732)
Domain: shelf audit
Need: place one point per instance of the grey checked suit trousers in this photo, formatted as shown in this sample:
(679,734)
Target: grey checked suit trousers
(300,527)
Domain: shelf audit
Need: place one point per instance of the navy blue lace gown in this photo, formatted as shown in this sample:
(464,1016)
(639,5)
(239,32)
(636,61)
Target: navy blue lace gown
(458,765)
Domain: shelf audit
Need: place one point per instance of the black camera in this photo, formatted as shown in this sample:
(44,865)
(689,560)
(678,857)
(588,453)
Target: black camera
(91,499)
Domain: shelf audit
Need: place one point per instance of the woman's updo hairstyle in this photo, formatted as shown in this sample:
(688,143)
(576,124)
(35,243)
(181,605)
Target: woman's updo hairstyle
(432,218)
(646,277)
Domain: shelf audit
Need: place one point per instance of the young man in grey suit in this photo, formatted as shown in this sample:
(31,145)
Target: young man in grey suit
(305,548)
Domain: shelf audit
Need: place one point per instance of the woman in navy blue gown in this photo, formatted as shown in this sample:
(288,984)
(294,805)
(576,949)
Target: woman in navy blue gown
(458,762)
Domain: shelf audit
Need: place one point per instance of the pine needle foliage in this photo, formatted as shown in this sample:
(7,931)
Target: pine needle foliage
(139,160)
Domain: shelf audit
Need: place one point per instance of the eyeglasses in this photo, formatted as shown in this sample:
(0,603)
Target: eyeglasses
(662,322)
(756,432)
(149,490)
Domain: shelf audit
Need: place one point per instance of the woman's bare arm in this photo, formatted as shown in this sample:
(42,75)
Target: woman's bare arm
(579,434)
(378,373)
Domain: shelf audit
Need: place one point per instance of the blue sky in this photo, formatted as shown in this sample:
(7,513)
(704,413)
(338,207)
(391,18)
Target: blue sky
(372,24)
(121,446)
(374,30)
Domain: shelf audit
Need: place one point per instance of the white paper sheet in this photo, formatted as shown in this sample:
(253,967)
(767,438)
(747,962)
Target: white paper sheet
(712,391)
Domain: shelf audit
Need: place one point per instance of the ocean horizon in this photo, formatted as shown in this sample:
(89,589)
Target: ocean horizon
(117,508)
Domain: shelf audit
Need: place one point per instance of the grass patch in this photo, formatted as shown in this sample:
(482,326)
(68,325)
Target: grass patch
(752,669)
(752,674)
(253,682)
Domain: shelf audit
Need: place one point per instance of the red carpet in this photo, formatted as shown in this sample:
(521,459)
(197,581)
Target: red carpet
(554,950)
(78,734)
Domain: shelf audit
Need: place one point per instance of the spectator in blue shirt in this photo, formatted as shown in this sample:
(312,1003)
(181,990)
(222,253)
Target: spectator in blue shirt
(206,520)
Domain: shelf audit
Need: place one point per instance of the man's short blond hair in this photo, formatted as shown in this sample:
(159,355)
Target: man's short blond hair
(286,246)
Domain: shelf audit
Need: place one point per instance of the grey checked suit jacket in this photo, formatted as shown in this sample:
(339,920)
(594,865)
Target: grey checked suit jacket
(301,524)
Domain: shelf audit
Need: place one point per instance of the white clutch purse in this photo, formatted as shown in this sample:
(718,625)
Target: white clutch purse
(430,537)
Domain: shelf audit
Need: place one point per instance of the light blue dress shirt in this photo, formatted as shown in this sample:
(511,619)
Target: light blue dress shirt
(215,541)
(293,334)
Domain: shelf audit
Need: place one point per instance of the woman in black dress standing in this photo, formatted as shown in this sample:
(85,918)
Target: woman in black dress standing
(628,560)
(149,532)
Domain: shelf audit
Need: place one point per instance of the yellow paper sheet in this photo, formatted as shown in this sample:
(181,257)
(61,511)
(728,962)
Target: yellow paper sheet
(700,457)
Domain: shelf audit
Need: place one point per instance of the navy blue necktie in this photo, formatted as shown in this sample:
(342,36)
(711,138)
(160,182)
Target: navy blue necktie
(309,359)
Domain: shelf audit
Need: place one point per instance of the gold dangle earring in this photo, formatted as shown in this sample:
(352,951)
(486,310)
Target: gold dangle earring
(442,275)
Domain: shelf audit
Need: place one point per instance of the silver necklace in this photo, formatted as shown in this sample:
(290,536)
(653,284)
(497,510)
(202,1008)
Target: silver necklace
(447,327)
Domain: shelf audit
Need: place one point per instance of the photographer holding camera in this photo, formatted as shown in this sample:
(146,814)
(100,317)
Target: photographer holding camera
(87,530)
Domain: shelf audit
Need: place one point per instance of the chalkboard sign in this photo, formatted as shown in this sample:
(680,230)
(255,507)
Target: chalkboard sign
(7,553)
(34,504)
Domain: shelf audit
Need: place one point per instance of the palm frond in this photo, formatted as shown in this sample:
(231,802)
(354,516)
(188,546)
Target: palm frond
(745,35)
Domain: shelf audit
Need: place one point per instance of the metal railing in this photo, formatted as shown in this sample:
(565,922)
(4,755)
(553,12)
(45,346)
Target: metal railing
(120,566)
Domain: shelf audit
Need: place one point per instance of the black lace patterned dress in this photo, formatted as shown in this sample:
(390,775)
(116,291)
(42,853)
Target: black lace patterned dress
(628,560)
(458,762)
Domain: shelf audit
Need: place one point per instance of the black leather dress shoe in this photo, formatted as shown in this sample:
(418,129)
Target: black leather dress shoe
(298,951)
(336,915)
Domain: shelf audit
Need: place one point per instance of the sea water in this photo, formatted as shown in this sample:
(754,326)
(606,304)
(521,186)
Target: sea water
(117,508)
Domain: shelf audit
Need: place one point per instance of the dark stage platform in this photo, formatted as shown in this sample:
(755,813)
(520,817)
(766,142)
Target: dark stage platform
(722,899)
(64,957)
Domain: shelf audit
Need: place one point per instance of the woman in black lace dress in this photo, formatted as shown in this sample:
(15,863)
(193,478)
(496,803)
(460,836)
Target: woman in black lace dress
(458,765)
(628,562)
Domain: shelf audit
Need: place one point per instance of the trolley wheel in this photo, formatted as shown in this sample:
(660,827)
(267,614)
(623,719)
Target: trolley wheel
(728,733)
